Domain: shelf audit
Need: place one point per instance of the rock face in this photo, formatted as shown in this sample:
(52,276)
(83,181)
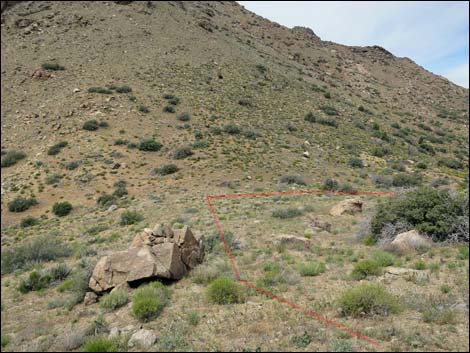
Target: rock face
(411,240)
(348,206)
(159,252)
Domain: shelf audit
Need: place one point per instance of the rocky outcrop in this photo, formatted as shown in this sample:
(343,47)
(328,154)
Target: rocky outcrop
(348,206)
(142,338)
(411,240)
(159,252)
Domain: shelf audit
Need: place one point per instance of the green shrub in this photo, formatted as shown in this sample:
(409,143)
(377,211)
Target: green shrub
(40,249)
(169,109)
(120,142)
(143,109)
(383,258)
(330,184)
(5,340)
(327,95)
(285,213)
(430,211)
(99,90)
(171,99)
(62,209)
(328,122)
(182,152)
(419,265)
(311,268)
(183,117)
(150,145)
(215,130)
(293,179)
(53,179)
(167,169)
(250,134)
(103,124)
(368,299)
(123,89)
(223,290)
(40,280)
(232,129)
(310,117)
(106,200)
(130,217)
(356,163)
(261,68)
(328,110)
(302,341)
(450,163)
(72,165)
(114,300)
(199,144)
(463,252)
(11,158)
(406,180)
(380,151)
(365,268)
(421,165)
(52,67)
(21,204)
(148,301)
(245,102)
(91,125)
(55,149)
(439,314)
(29,222)
(101,344)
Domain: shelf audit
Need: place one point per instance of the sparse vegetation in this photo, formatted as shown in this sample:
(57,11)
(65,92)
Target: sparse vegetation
(167,169)
(62,209)
(368,299)
(21,204)
(149,300)
(130,217)
(223,290)
(11,158)
(293,179)
(182,152)
(55,149)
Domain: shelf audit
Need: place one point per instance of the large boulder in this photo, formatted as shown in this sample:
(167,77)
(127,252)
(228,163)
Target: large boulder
(411,240)
(348,206)
(158,252)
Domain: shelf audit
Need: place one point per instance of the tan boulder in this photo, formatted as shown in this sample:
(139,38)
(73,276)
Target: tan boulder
(348,206)
(411,240)
(158,252)
(294,240)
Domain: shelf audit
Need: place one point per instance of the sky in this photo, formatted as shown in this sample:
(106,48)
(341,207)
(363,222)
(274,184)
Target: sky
(434,34)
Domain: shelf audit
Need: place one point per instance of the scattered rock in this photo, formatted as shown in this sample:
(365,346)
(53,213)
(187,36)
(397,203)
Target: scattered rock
(407,273)
(306,154)
(411,240)
(294,240)
(112,208)
(142,338)
(316,222)
(114,332)
(158,252)
(90,298)
(348,206)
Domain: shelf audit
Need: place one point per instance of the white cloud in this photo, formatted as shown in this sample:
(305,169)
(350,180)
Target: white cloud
(434,34)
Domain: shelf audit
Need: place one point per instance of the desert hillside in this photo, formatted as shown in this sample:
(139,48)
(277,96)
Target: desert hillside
(119,115)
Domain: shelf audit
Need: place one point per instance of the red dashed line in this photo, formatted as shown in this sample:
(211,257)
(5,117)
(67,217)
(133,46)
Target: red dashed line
(265,292)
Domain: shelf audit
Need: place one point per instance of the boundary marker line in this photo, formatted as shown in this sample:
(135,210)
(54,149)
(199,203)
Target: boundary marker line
(308,312)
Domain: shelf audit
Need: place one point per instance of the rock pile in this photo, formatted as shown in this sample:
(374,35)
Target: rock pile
(159,252)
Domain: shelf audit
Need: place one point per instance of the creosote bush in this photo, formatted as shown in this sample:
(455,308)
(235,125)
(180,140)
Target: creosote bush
(38,250)
(99,90)
(11,158)
(91,125)
(365,268)
(167,169)
(150,145)
(436,213)
(223,290)
(130,217)
(62,209)
(182,152)
(293,179)
(310,117)
(368,299)
(183,117)
(55,149)
(149,300)
(52,67)
(29,222)
(21,204)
